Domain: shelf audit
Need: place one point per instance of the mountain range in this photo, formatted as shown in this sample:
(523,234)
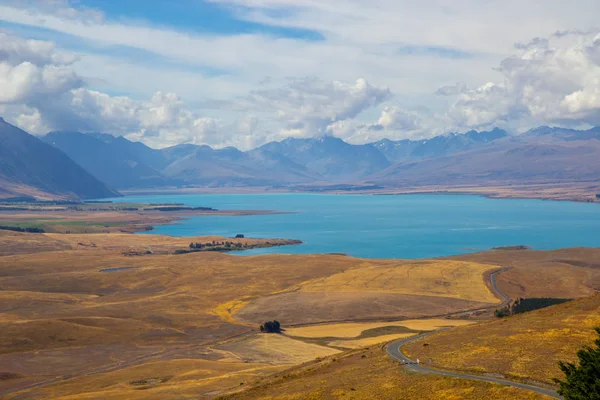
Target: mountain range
(544,154)
(30,167)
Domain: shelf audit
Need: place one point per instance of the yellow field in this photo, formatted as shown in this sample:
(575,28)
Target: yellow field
(453,279)
(526,346)
(370,374)
(163,326)
(378,289)
(157,380)
(359,343)
(274,349)
(564,273)
(354,329)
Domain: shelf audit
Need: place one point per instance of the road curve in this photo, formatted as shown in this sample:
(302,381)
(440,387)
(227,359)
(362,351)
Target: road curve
(394,350)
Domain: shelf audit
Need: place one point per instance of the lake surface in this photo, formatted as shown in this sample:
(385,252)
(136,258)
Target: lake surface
(406,226)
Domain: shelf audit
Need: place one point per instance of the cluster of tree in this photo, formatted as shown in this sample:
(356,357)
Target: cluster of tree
(525,305)
(582,380)
(180,208)
(271,327)
(239,236)
(19,229)
(227,245)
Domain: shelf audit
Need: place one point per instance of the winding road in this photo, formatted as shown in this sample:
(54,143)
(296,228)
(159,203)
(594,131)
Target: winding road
(394,350)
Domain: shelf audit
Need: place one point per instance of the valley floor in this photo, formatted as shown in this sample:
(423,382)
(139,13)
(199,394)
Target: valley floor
(95,316)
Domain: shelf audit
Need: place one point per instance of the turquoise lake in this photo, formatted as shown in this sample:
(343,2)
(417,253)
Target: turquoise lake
(406,226)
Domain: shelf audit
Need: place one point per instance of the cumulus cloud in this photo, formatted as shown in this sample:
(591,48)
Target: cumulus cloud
(452,90)
(40,91)
(551,80)
(394,123)
(32,68)
(310,106)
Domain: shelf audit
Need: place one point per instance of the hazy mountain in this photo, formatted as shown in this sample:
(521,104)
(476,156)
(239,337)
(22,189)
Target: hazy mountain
(28,166)
(116,161)
(543,154)
(546,132)
(229,166)
(546,155)
(439,146)
(331,158)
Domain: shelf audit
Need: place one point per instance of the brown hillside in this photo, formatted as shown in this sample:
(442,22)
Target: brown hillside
(526,346)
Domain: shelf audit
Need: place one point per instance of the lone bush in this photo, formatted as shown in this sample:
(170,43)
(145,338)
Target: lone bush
(271,327)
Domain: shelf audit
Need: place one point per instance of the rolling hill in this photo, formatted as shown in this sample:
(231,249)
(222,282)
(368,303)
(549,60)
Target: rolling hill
(30,167)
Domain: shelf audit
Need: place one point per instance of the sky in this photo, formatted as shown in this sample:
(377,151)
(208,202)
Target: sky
(245,72)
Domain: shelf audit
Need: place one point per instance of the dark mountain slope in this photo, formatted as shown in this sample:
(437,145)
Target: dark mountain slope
(28,166)
(118,162)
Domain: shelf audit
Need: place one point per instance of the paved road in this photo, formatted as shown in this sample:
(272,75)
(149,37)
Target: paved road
(394,349)
(495,286)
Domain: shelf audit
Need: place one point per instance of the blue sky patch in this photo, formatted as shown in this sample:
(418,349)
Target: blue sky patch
(194,16)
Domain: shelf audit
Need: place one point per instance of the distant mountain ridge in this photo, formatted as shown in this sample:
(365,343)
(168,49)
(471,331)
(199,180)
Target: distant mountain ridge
(331,158)
(542,154)
(30,167)
(438,146)
(331,161)
(116,161)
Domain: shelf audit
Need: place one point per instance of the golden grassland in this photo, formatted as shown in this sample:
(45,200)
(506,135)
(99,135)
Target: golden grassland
(274,349)
(155,380)
(564,273)
(354,329)
(181,325)
(17,243)
(370,374)
(452,279)
(525,346)
(378,289)
(369,341)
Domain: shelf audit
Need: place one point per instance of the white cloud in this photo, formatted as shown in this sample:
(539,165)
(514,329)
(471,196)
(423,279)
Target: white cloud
(307,107)
(552,80)
(30,68)
(46,94)
(412,48)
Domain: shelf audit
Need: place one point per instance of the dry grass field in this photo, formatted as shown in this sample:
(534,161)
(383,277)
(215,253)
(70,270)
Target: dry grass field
(58,306)
(379,289)
(274,349)
(565,273)
(370,374)
(354,329)
(120,316)
(97,303)
(525,346)
(156,380)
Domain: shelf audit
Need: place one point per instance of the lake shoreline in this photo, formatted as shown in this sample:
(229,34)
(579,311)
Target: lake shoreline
(581,192)
(418,226)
